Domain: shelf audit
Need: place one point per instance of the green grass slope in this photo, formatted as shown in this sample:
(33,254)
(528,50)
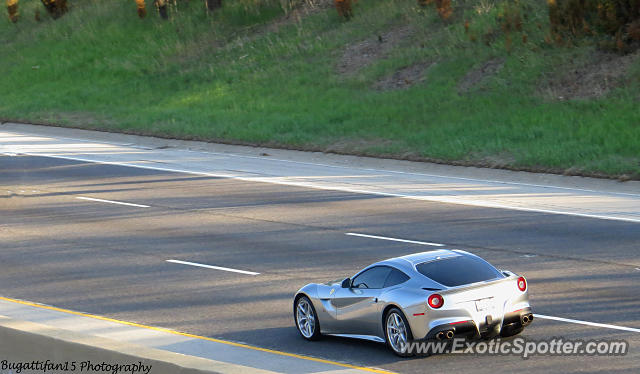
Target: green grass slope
(251,75)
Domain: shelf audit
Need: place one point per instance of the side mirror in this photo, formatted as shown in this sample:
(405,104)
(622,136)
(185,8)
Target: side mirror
(346,283)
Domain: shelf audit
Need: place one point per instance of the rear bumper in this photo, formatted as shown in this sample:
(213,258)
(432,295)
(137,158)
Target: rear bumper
(470,330)
(518,318)
(466,329)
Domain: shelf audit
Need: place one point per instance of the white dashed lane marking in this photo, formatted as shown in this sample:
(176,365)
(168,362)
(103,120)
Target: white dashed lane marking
(112,202)
(394,239)
(213,267)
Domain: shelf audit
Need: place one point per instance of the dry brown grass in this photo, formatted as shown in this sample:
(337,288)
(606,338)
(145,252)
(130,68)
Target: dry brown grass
(12,9)
(344,8)
(142,8)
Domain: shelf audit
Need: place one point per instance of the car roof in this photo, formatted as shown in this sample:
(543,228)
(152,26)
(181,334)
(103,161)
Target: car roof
(410,261)
(408,264)
(418,258)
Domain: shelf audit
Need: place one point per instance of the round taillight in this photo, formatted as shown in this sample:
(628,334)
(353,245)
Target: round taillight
(435,301)
(522,284)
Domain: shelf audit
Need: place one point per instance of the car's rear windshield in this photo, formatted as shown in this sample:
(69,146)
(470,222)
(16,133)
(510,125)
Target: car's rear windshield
(459,270)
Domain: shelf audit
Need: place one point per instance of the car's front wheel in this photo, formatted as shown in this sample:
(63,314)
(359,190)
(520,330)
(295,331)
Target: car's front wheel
(397,332)
(306,318)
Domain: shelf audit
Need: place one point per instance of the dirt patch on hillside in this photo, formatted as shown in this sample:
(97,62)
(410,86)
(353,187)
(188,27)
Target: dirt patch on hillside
(301,10)
(603,73)
(203,47)
(363,53)
(404,78)
(477,76)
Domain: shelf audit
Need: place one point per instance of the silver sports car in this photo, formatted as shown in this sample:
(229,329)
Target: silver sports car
(436,295)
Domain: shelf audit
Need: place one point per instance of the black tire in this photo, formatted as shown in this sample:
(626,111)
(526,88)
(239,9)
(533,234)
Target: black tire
(307,332)
(409,336)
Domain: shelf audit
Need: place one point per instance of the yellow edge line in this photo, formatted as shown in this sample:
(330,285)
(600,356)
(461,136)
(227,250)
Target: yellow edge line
(161,329)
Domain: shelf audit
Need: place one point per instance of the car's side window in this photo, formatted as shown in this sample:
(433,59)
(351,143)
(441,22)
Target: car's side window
(395,277)
(374,277)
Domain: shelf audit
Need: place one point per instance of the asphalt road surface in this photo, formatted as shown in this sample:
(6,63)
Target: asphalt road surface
(96,238)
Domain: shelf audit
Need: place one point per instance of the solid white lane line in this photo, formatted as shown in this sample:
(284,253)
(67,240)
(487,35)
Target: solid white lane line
(394,239)
(587,323)
(279,181)
(112,202)
(213,267)
(225,154)
(422,174)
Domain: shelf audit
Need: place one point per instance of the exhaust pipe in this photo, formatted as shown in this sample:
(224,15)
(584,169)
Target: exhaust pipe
(442,335)
(525,319)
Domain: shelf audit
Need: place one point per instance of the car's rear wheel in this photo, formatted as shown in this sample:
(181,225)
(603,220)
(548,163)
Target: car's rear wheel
(397,332)
(306,318)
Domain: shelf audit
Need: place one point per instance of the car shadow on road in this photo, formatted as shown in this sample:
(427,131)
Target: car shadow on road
(347,350)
